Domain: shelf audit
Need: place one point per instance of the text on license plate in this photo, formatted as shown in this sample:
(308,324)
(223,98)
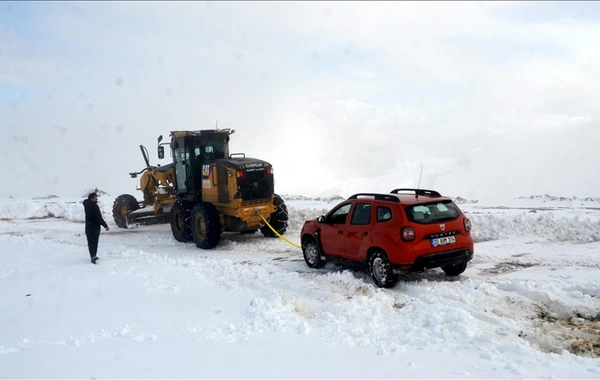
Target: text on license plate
(443,241)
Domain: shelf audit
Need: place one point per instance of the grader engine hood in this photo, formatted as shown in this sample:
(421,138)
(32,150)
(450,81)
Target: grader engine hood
(254,177)
(245,164)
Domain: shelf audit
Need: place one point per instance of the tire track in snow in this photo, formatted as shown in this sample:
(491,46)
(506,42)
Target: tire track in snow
(342,306)
(344,309)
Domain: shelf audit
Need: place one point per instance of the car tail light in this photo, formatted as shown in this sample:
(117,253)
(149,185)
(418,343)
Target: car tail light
(269,171)
(408,234)
(467,223)
(240,174)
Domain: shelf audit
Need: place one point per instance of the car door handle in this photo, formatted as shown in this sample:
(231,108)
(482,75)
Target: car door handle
(365,233)
(341,233)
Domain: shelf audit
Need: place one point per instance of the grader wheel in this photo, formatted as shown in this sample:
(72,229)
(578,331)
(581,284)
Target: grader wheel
(123,206)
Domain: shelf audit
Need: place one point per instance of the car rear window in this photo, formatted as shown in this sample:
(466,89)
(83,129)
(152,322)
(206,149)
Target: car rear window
(432,212)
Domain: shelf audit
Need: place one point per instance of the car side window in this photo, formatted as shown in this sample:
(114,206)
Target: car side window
(340,215)
(383,214)
(361,214)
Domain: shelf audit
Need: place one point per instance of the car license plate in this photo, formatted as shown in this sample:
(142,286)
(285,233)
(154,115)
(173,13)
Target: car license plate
(443,241)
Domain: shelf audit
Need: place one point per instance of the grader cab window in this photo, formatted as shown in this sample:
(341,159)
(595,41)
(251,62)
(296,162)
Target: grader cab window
(214,148)
(202,153)
(209,152)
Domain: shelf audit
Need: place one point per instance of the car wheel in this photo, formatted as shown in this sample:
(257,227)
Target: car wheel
(311,254)
(456,269)
(381,270)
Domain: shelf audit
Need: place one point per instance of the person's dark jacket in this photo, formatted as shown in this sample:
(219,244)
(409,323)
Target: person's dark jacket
(93,216)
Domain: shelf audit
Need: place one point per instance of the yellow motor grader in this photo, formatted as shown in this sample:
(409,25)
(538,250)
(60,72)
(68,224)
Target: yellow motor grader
(204,191)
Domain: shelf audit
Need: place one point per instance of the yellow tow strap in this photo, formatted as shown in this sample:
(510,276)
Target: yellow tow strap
(277,233)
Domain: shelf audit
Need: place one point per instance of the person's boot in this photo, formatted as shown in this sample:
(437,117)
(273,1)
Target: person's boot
(94,259)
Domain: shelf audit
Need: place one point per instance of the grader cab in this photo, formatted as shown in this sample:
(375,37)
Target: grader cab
(204,191)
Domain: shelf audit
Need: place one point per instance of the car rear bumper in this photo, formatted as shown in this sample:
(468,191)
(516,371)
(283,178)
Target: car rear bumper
(436,260)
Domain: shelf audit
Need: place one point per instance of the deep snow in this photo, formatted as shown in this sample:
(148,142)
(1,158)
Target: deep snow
(527,306)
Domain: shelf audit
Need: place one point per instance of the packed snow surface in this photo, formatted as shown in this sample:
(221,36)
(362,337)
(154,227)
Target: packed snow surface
(527,306)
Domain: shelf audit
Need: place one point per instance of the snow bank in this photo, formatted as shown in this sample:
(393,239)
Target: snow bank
(550,225)
(63,208)
(557,225)
(298,215)
(40,210)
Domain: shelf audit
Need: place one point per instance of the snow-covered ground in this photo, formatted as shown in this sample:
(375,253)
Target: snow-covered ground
(528,305)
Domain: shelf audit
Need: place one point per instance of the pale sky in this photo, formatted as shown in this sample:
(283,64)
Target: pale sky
(499,97)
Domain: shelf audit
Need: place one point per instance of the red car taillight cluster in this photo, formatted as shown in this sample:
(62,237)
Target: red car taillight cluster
(408,234)
(467,223)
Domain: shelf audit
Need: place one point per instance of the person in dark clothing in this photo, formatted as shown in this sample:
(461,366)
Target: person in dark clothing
(93,221)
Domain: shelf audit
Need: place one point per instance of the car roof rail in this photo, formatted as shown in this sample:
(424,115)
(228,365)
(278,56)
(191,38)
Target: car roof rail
(378,197)
(422,192)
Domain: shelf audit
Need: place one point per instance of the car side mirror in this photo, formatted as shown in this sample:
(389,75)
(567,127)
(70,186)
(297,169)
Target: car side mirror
(161,152)
(321,219)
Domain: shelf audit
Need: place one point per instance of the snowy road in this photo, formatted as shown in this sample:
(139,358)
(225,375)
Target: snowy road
(527,306)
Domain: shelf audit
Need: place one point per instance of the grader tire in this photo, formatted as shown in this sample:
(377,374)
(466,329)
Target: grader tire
(278,219)
(123,206)
(180,219)
(206,226)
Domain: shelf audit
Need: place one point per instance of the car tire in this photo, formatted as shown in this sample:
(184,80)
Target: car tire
(381,270)
(456,269)
(312,254)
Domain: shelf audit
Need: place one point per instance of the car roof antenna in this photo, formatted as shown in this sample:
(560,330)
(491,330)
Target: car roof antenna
(419,184)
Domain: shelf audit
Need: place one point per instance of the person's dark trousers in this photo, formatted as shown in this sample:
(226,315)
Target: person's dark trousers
(92,232)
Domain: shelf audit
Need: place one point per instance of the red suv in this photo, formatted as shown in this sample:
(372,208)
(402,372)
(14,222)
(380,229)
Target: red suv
(407,230)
